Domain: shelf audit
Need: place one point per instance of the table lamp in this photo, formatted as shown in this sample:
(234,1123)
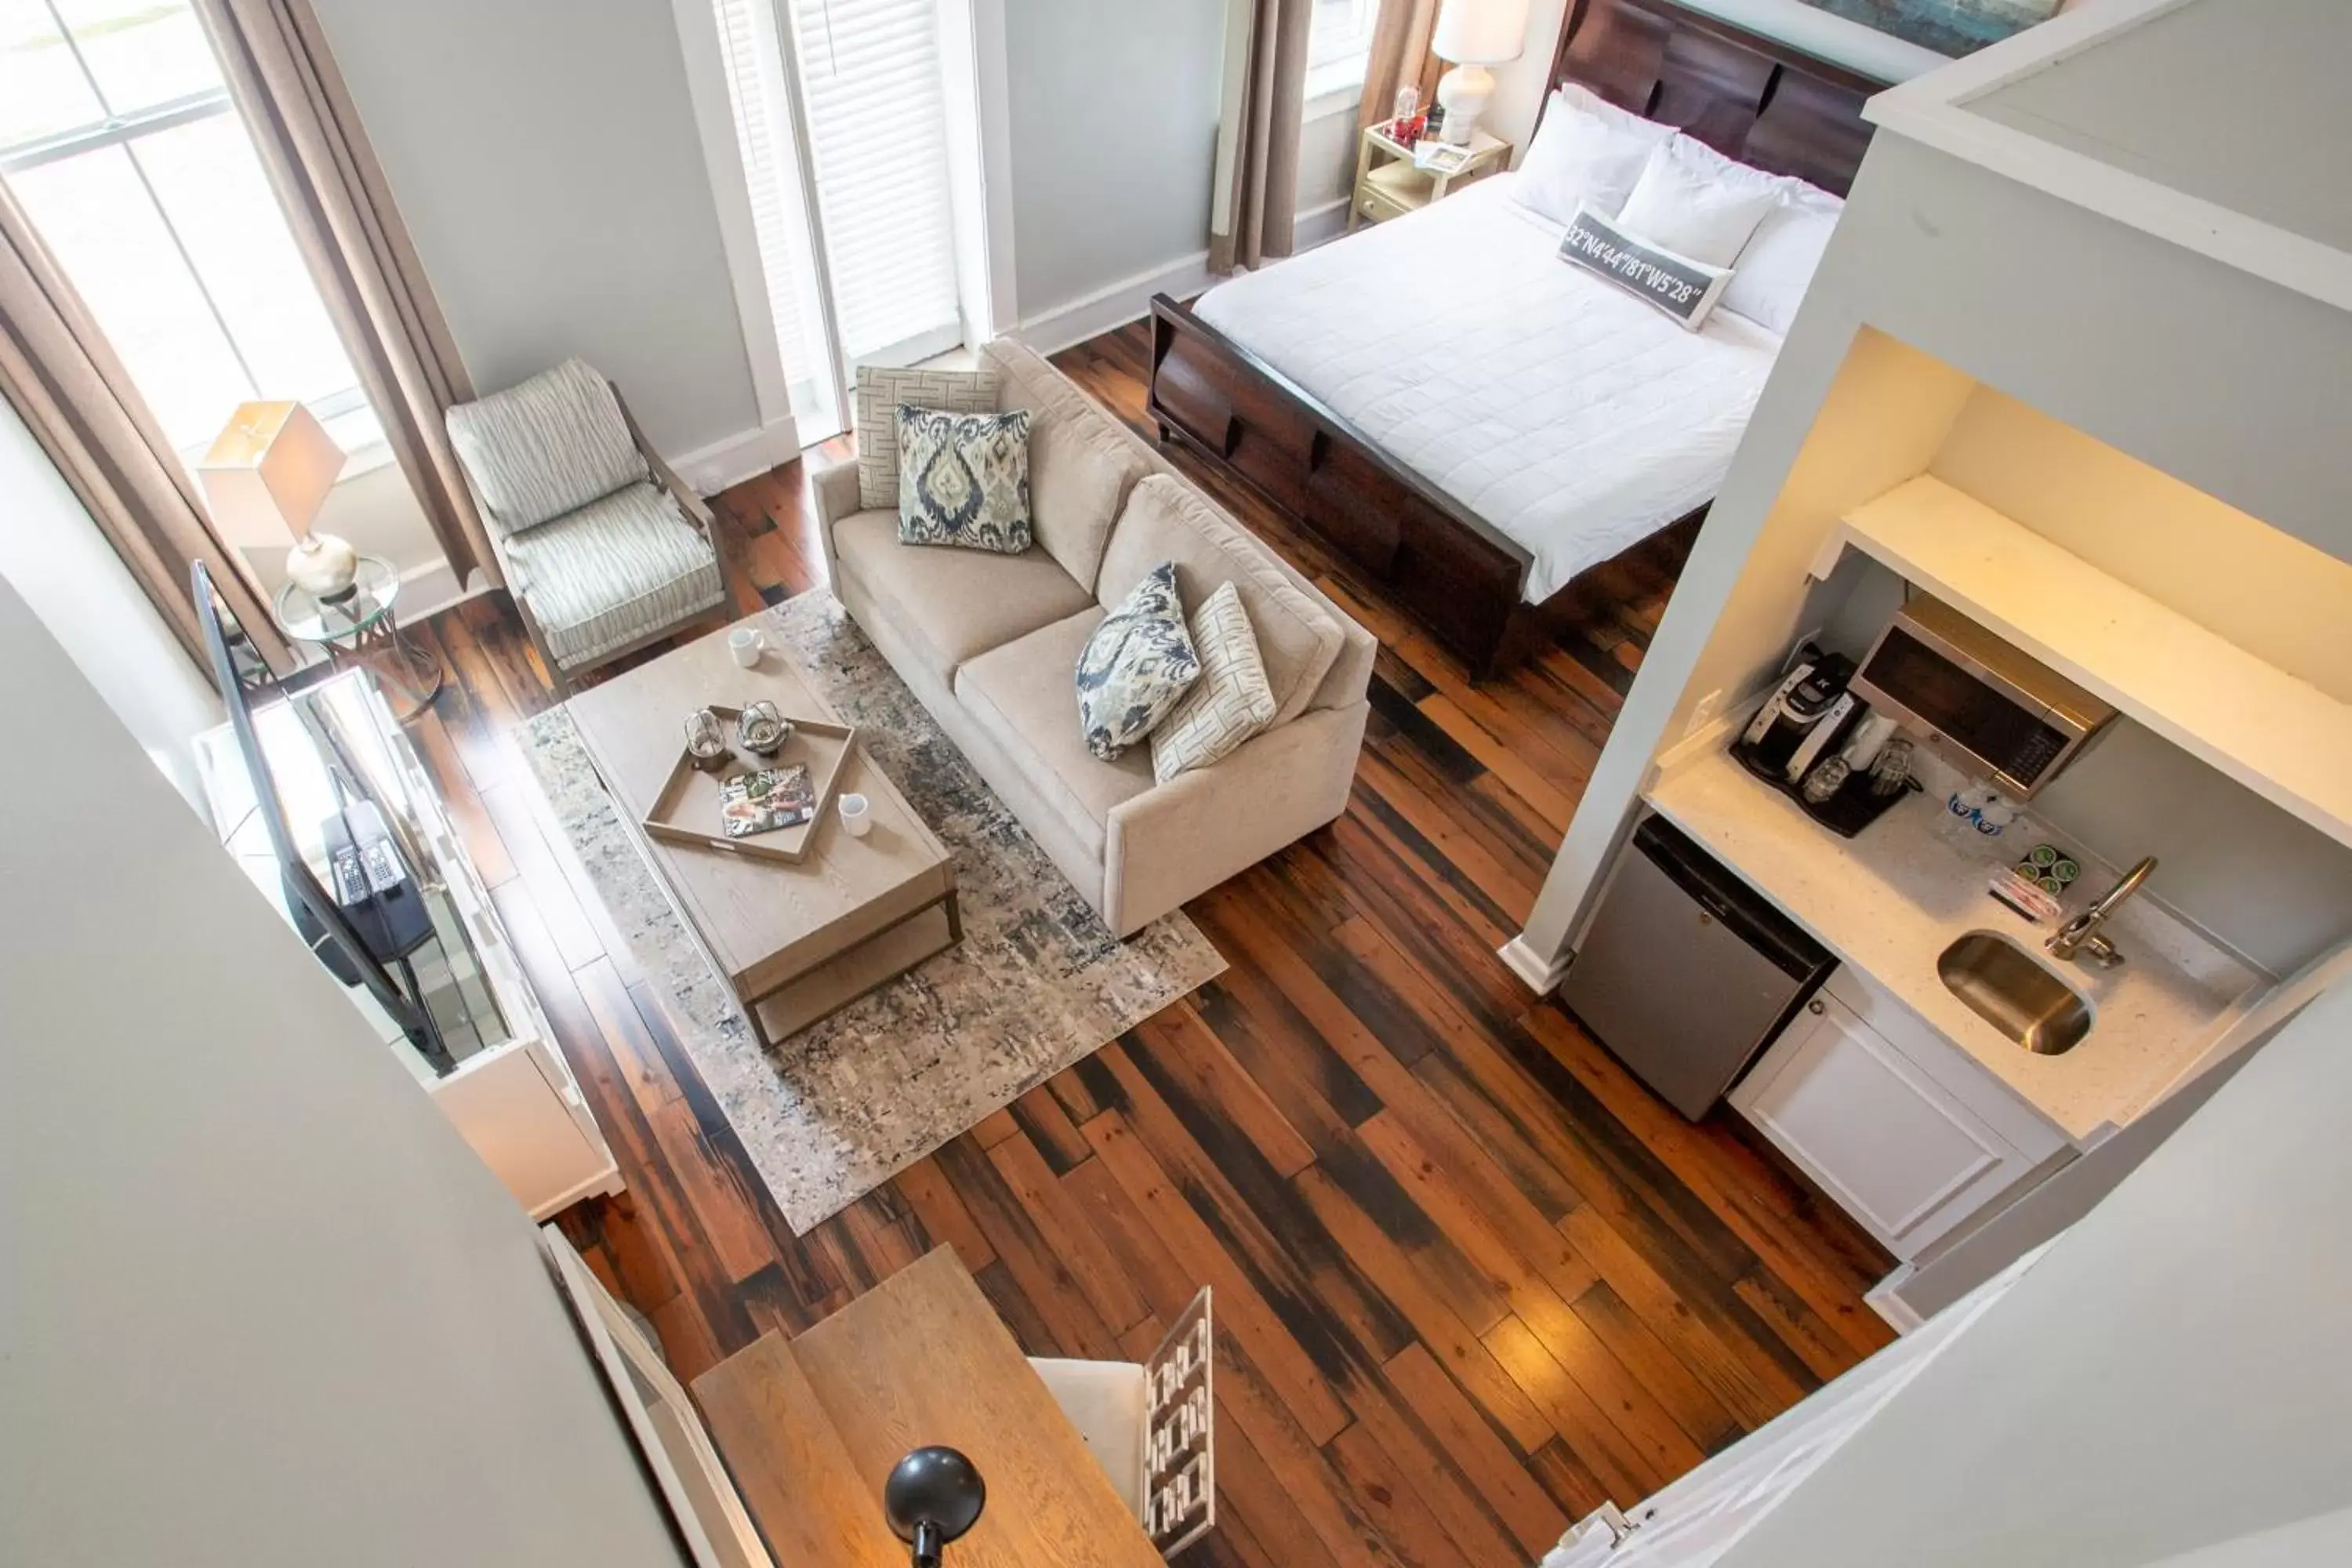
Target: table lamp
(1474,35)
(265,478)
(933,1497)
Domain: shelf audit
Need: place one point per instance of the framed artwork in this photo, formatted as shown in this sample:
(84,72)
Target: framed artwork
(1952,27)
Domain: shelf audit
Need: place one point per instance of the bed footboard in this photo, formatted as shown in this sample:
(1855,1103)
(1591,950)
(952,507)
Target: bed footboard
(1456,573)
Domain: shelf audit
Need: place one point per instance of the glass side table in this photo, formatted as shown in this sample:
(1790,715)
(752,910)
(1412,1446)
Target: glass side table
(359,630)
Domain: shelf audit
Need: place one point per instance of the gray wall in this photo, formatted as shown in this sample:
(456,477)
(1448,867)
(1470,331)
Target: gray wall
(544,156)
(1114,119)
(53,555)
(260,1304)
(2171,1374)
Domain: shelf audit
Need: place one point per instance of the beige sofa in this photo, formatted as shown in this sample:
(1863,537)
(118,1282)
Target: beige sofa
(990,645)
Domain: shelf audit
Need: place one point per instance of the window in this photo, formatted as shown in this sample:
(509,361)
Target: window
(878,130)
(1340,45)
(841,111)
(749,47)
(118,138)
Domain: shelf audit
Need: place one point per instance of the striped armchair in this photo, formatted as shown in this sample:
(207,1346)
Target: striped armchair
(604,549)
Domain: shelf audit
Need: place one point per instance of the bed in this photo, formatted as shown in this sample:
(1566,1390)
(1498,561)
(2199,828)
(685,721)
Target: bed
(1481,453)
(1569,414)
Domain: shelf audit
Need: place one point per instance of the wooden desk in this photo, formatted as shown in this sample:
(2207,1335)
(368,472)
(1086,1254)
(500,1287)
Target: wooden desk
(923,1359)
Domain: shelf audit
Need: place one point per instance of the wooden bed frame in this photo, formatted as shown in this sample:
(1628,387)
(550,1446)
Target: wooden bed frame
(1749,96)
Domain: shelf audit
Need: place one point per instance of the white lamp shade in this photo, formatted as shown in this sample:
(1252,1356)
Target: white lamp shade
(269,473)
(1480,31)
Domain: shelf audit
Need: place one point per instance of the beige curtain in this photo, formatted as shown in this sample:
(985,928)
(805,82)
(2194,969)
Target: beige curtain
(1400,55)
(1257,155)
(293,100)
(61,377)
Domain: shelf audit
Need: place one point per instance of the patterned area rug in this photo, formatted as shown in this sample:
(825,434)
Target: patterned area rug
(1038,983)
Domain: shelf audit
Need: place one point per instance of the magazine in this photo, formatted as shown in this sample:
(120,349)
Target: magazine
(1441,157)
(766,799)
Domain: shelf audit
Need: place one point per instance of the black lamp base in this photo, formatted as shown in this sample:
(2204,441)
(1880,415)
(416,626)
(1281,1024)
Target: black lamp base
(931,1498)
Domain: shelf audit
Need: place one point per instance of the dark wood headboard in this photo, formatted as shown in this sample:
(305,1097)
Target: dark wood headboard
(1746,96)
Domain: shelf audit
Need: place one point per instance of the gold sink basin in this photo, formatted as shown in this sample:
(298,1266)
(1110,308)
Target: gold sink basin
(2003,984)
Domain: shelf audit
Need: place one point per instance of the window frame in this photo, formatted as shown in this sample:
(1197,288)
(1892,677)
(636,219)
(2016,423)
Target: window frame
(125,129)
(1336,67)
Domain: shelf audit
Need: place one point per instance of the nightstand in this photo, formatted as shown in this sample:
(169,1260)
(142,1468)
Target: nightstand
(1387,184)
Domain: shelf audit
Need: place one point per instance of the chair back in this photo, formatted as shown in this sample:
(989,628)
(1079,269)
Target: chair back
(1180,1451)
(545,447)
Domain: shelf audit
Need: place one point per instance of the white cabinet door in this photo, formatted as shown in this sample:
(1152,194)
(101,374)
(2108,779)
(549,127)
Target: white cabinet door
(1896,1149)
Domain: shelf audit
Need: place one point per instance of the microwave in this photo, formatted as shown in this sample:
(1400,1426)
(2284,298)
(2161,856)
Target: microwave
(1982,704)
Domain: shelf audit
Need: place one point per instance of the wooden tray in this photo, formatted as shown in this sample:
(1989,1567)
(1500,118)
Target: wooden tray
(686,809)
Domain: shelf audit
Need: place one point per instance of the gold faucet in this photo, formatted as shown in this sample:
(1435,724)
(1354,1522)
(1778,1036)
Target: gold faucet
(2080,935)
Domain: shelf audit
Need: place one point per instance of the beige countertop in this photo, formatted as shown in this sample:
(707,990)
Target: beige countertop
(1889,900)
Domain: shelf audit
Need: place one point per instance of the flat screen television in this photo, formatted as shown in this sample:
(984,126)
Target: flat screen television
(332,932)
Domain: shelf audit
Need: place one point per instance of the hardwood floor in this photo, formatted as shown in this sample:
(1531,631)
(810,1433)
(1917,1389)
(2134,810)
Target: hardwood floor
(1471,1277)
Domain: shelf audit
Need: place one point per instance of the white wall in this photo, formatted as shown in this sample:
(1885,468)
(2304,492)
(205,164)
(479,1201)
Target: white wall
(1327,161)
(2269,593)
(2171,1375)
(1927,252)
(1114,130)
(1521,84)
(545,158)
(261,1304)
(67,572)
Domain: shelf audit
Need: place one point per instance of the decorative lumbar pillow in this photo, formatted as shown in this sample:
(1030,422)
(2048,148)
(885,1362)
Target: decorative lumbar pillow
(1685,289)
(1136,667)
(880,392)
(1231,702)
(1697,203)
(964,478)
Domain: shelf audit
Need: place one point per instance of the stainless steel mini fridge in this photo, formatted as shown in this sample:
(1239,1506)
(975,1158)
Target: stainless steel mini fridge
(1686,972)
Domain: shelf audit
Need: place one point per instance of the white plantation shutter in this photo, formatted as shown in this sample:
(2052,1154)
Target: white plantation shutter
(876,114)
(763,141)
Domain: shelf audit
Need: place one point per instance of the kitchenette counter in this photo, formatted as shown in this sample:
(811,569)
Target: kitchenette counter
(1890,901)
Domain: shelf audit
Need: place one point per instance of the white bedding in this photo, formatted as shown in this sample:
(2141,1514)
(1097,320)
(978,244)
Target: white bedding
(1572,417)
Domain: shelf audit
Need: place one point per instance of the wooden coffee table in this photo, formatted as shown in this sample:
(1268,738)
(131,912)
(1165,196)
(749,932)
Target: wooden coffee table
(796,942)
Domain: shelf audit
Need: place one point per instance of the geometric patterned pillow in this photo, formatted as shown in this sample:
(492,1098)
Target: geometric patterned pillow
(1136,667)
(964,478)
(1231,702)
(880,392)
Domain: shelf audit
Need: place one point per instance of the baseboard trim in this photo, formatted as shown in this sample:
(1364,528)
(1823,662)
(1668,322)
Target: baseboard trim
(1539,973)
(1051,331)
(734,458)
(1886,1299)
(429,590)
(1320,226)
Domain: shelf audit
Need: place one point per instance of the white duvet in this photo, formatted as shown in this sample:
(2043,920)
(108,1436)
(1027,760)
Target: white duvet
(1573,418)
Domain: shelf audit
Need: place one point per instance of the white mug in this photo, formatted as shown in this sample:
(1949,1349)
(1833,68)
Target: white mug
(745,643)
(857,816)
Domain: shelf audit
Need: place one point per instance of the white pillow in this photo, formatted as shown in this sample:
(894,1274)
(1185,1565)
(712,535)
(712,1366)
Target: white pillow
(1778,266)
(1704,160)
(1692,208)
(1586,153)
